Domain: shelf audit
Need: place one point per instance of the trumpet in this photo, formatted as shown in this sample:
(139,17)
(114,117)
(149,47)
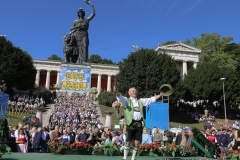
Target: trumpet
(166,90)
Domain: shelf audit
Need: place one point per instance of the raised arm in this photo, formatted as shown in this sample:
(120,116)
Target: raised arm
(120,97)
(93,13)
(147,101)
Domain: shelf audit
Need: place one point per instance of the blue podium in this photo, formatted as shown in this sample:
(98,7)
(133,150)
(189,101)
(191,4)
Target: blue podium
(157,115)
(3,105)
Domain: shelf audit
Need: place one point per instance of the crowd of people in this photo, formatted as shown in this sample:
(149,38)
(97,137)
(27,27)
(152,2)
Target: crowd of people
(74,110)
(74,119)
(24,139)
(25,101)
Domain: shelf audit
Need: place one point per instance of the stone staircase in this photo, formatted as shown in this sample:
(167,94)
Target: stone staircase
(99,113)
(47,113)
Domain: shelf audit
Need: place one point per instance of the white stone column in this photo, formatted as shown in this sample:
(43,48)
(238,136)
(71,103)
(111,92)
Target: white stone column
(58,74)
(109,83)
(108,121)
(48,79)
(38,77)
(39,115)
(99,82)
(90,80)
(195,64)
(184,68)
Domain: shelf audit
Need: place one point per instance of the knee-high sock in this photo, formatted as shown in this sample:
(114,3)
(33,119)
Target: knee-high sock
(134,153)
(126,151)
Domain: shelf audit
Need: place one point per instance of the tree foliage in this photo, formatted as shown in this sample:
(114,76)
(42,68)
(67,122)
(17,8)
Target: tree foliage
(95,58)
(106,98)
(234,49)
(169,42)
(41,92)
(213,48)
(203,83)
(146,70)
(55,57)
(5,131)
(16,66)
(107,61)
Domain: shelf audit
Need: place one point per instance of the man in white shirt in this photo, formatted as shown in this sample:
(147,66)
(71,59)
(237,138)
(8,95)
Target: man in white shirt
(133,115)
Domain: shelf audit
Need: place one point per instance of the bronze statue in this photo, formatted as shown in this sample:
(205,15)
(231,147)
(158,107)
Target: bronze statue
(69,49)
(76,42)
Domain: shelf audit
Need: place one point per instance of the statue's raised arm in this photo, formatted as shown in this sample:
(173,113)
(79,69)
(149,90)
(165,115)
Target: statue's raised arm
(93,10)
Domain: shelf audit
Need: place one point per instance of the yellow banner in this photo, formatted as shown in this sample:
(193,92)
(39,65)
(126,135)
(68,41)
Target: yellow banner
(74,85)
(74,75)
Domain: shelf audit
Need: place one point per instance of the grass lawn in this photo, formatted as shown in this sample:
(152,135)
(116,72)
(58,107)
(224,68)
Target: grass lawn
(178,117)
(14,121)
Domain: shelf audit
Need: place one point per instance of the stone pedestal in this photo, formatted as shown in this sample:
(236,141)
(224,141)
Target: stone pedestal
(74,78)
(39,115)
(108,122)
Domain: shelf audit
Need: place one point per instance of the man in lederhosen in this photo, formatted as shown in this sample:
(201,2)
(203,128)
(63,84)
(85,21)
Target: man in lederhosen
(133,115)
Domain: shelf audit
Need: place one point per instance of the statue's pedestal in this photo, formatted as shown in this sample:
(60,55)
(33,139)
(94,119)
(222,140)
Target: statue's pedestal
(39,115)
(108,122)
(75,78)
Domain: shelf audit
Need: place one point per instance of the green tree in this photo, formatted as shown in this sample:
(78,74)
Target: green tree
(4,139)
(16,66)
(146,70)
(169,42)
(95,58)
(107,61)
(213,49)
(234,49)
(106,98)
(41,92)
(203,83)
(55,57)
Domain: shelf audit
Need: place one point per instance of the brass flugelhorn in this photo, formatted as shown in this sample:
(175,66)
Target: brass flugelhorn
(166,90)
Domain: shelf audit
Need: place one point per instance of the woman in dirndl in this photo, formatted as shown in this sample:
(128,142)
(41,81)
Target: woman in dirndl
(22,142)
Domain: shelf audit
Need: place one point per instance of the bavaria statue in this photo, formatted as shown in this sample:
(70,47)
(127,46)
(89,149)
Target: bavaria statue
(76,42)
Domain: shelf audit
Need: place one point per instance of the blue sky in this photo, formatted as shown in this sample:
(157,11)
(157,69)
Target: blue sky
(38,26)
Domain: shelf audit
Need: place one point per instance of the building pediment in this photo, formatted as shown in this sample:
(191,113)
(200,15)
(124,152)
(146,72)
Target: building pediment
(177,47)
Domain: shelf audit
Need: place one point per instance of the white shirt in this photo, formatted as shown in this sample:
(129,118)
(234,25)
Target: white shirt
(145,102)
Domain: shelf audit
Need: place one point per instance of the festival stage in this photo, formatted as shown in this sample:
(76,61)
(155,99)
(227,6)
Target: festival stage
(51,156)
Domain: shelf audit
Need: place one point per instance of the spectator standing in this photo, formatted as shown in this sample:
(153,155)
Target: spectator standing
(116,137)
(211,137)
(123,137)
(21,141)
(147,138)
(82,136)
(230,138)
(190,136)
(167,139)
(223,144)
(95,137)
(65,137)
(206,112)
(71,134)
(13,140)
(37,142)
(45,140)
(157,139)
(54,134)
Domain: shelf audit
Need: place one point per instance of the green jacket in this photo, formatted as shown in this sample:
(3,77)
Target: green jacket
(128,111)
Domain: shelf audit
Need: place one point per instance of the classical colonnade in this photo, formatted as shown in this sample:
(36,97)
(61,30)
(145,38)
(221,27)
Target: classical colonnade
(48,74)
(103,76)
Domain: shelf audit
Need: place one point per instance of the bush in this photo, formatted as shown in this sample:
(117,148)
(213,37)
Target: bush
(41,92)
(4,136)
(106,98)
